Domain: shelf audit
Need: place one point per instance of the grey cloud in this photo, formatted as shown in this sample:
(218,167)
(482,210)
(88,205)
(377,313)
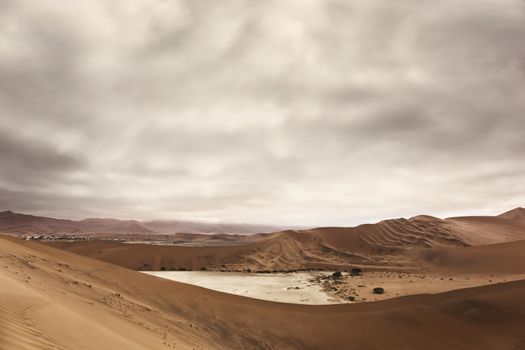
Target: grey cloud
(29,162)
(303,112)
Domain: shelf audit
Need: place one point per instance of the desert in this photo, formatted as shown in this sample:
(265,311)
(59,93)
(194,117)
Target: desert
(262,175)
(74,294)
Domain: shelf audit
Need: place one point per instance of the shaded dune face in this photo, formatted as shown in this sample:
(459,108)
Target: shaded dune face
(54,299)
(389,243)
(488,259)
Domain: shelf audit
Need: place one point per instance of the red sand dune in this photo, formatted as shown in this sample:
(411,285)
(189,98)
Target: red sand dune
(495,258)
(389,243)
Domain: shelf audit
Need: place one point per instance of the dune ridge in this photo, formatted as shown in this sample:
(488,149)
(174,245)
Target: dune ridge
(388,243)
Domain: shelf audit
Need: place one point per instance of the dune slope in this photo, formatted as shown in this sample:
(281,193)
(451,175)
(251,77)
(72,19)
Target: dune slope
(54,299)
(488,259)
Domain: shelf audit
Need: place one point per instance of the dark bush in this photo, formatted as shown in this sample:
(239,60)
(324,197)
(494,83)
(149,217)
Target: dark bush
(356,272)
(337,275)
(378,290)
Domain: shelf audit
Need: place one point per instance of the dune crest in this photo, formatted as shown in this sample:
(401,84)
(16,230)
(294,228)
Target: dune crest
(516,213)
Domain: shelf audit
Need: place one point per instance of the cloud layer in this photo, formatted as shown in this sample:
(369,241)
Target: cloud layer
(309,112)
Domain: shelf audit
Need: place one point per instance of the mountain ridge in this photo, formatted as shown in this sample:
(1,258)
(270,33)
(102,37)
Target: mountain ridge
(12,222)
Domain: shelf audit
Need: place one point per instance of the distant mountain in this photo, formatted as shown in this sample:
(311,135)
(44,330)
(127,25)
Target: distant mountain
(11,222)
(203,227)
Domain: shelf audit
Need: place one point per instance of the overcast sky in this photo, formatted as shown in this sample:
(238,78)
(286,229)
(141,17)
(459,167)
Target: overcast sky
(312,112)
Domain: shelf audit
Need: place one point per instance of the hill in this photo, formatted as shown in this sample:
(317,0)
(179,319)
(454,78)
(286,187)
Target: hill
(11,222)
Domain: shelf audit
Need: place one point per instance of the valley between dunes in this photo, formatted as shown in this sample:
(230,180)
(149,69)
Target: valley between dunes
(66,299)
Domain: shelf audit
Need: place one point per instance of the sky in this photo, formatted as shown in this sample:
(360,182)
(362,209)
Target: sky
(301,112)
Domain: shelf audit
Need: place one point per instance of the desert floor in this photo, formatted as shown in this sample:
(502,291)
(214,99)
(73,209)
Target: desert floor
(294,288)
(320,288)
(53,299)
(448,284)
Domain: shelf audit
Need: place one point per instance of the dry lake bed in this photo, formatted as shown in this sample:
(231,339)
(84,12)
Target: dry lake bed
(280,287)
(318,288)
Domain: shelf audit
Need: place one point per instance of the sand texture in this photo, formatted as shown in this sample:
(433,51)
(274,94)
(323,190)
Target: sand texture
(55,299)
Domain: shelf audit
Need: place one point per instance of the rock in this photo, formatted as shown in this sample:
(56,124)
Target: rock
(351,298)
(356,272)
(378,290)
(337,275)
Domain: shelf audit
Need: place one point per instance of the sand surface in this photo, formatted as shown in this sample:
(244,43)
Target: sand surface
(77,297)
(320,288)
(281,287)
(51,299)
(397,284)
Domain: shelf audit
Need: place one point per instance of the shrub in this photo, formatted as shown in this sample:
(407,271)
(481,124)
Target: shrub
(337,275)
(378,290)
(356,272)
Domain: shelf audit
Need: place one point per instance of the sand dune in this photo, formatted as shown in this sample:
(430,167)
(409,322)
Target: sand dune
(54,297)
(516,213)
(495,258)
(388,243)
(481,230)
(57,298)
